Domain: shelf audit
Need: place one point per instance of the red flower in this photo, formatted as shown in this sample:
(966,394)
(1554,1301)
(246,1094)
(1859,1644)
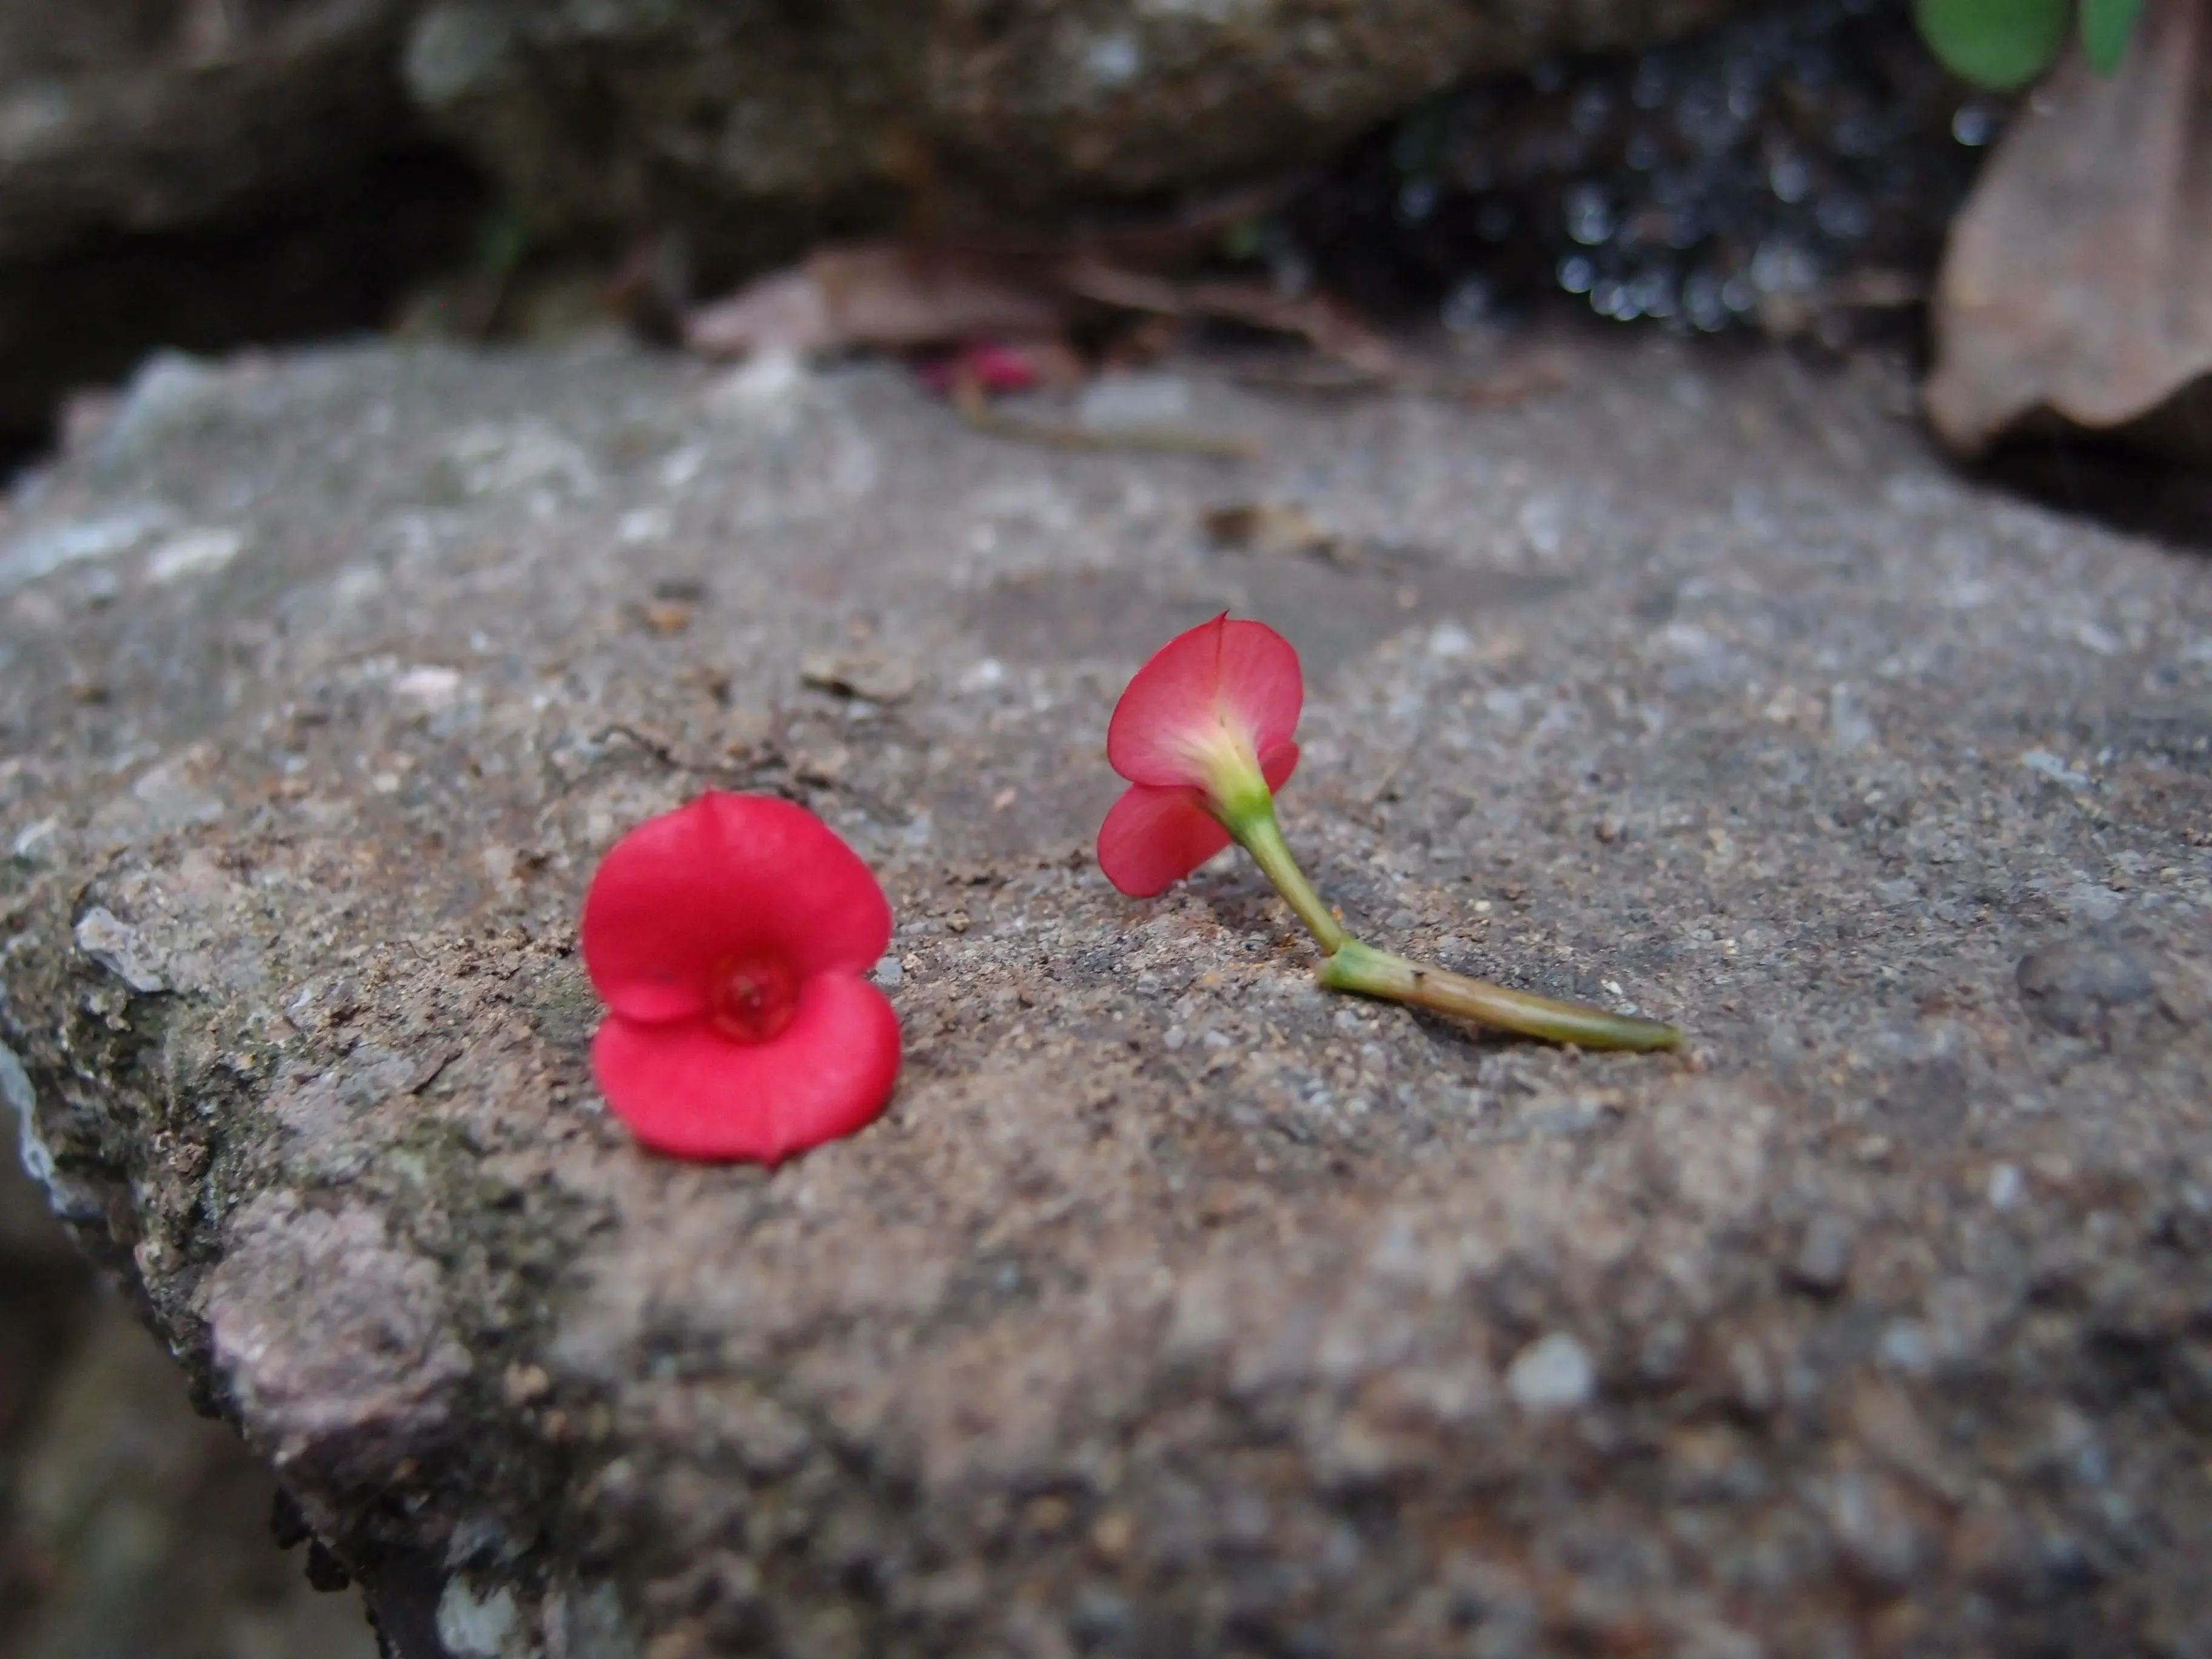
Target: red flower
(988,365)
(728,939)
(1203,735)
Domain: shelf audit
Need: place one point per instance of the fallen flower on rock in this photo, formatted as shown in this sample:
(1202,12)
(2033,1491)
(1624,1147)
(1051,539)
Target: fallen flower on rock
(729,940)
(1203,734)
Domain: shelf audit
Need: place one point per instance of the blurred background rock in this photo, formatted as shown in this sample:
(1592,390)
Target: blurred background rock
(200,174)
(204,173)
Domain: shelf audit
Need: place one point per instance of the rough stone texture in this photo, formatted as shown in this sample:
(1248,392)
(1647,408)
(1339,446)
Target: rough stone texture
(1174,1307)
(201,173)
(137,115)
(749,124)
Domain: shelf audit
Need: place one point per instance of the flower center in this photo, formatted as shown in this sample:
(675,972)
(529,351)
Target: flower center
(752,999)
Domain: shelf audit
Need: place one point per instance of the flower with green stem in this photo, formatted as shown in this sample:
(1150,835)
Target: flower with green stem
(1204,735)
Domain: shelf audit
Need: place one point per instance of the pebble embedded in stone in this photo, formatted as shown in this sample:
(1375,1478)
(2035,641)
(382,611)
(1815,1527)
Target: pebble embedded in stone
(1552,1374)
(2005,1186)
(2078,986)
(199,552)
(871,676)
(2044,763)
(476,1624)
(40,552)
(1824,1255)
(431,685)
(1448,640)
(118,948)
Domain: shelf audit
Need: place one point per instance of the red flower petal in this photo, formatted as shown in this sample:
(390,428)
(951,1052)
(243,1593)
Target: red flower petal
(1153,837)
(687,1089)
(1241,674)
(989,364)
(726,875)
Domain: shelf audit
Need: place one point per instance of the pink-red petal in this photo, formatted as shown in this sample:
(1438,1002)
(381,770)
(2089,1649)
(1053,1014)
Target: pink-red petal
(685,1089)
(726,875)
(1241,672)
(1153,837)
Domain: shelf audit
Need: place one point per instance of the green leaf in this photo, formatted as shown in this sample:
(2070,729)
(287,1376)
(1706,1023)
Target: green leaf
(2105,25)
(1999,44)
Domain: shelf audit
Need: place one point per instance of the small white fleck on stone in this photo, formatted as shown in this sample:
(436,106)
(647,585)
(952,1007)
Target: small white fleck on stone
(1112,60)
(1848,729)
(103,937)
(982,676)
(767,380)
(1904,1347)
(31,838)
(2093,636)
(356,584)
(474,1626)
(682,466)
(2046,764)
(199,552)
(40,552)
(2005,1187)
(1553,1373)
(1543,523)
(1450,640)
(642,525)
(889,973)
(428,684)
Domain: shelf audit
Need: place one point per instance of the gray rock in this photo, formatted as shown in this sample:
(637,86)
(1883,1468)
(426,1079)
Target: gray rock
(2091,984)
(1098,1339)
(1552,1374)
(122,115)
(105,940)
(750,124)
(1824,1255)
(203,173)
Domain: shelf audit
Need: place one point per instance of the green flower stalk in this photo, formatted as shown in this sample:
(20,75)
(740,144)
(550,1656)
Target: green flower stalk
(1203,734)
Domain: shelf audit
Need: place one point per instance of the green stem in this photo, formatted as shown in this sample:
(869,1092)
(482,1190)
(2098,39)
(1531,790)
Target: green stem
(1254,825)
(1368,972)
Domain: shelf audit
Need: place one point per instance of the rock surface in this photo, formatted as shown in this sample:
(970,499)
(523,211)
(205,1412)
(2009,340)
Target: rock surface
(750,126)
(201,173)
(1174,1307)
(123,115)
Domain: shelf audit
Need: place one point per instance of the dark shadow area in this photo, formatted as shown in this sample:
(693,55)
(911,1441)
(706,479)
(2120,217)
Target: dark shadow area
(337,261)
(2139,494)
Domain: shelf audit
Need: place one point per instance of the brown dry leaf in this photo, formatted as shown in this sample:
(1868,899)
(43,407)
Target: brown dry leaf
(892,295)
(2078,277)
(900,295)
